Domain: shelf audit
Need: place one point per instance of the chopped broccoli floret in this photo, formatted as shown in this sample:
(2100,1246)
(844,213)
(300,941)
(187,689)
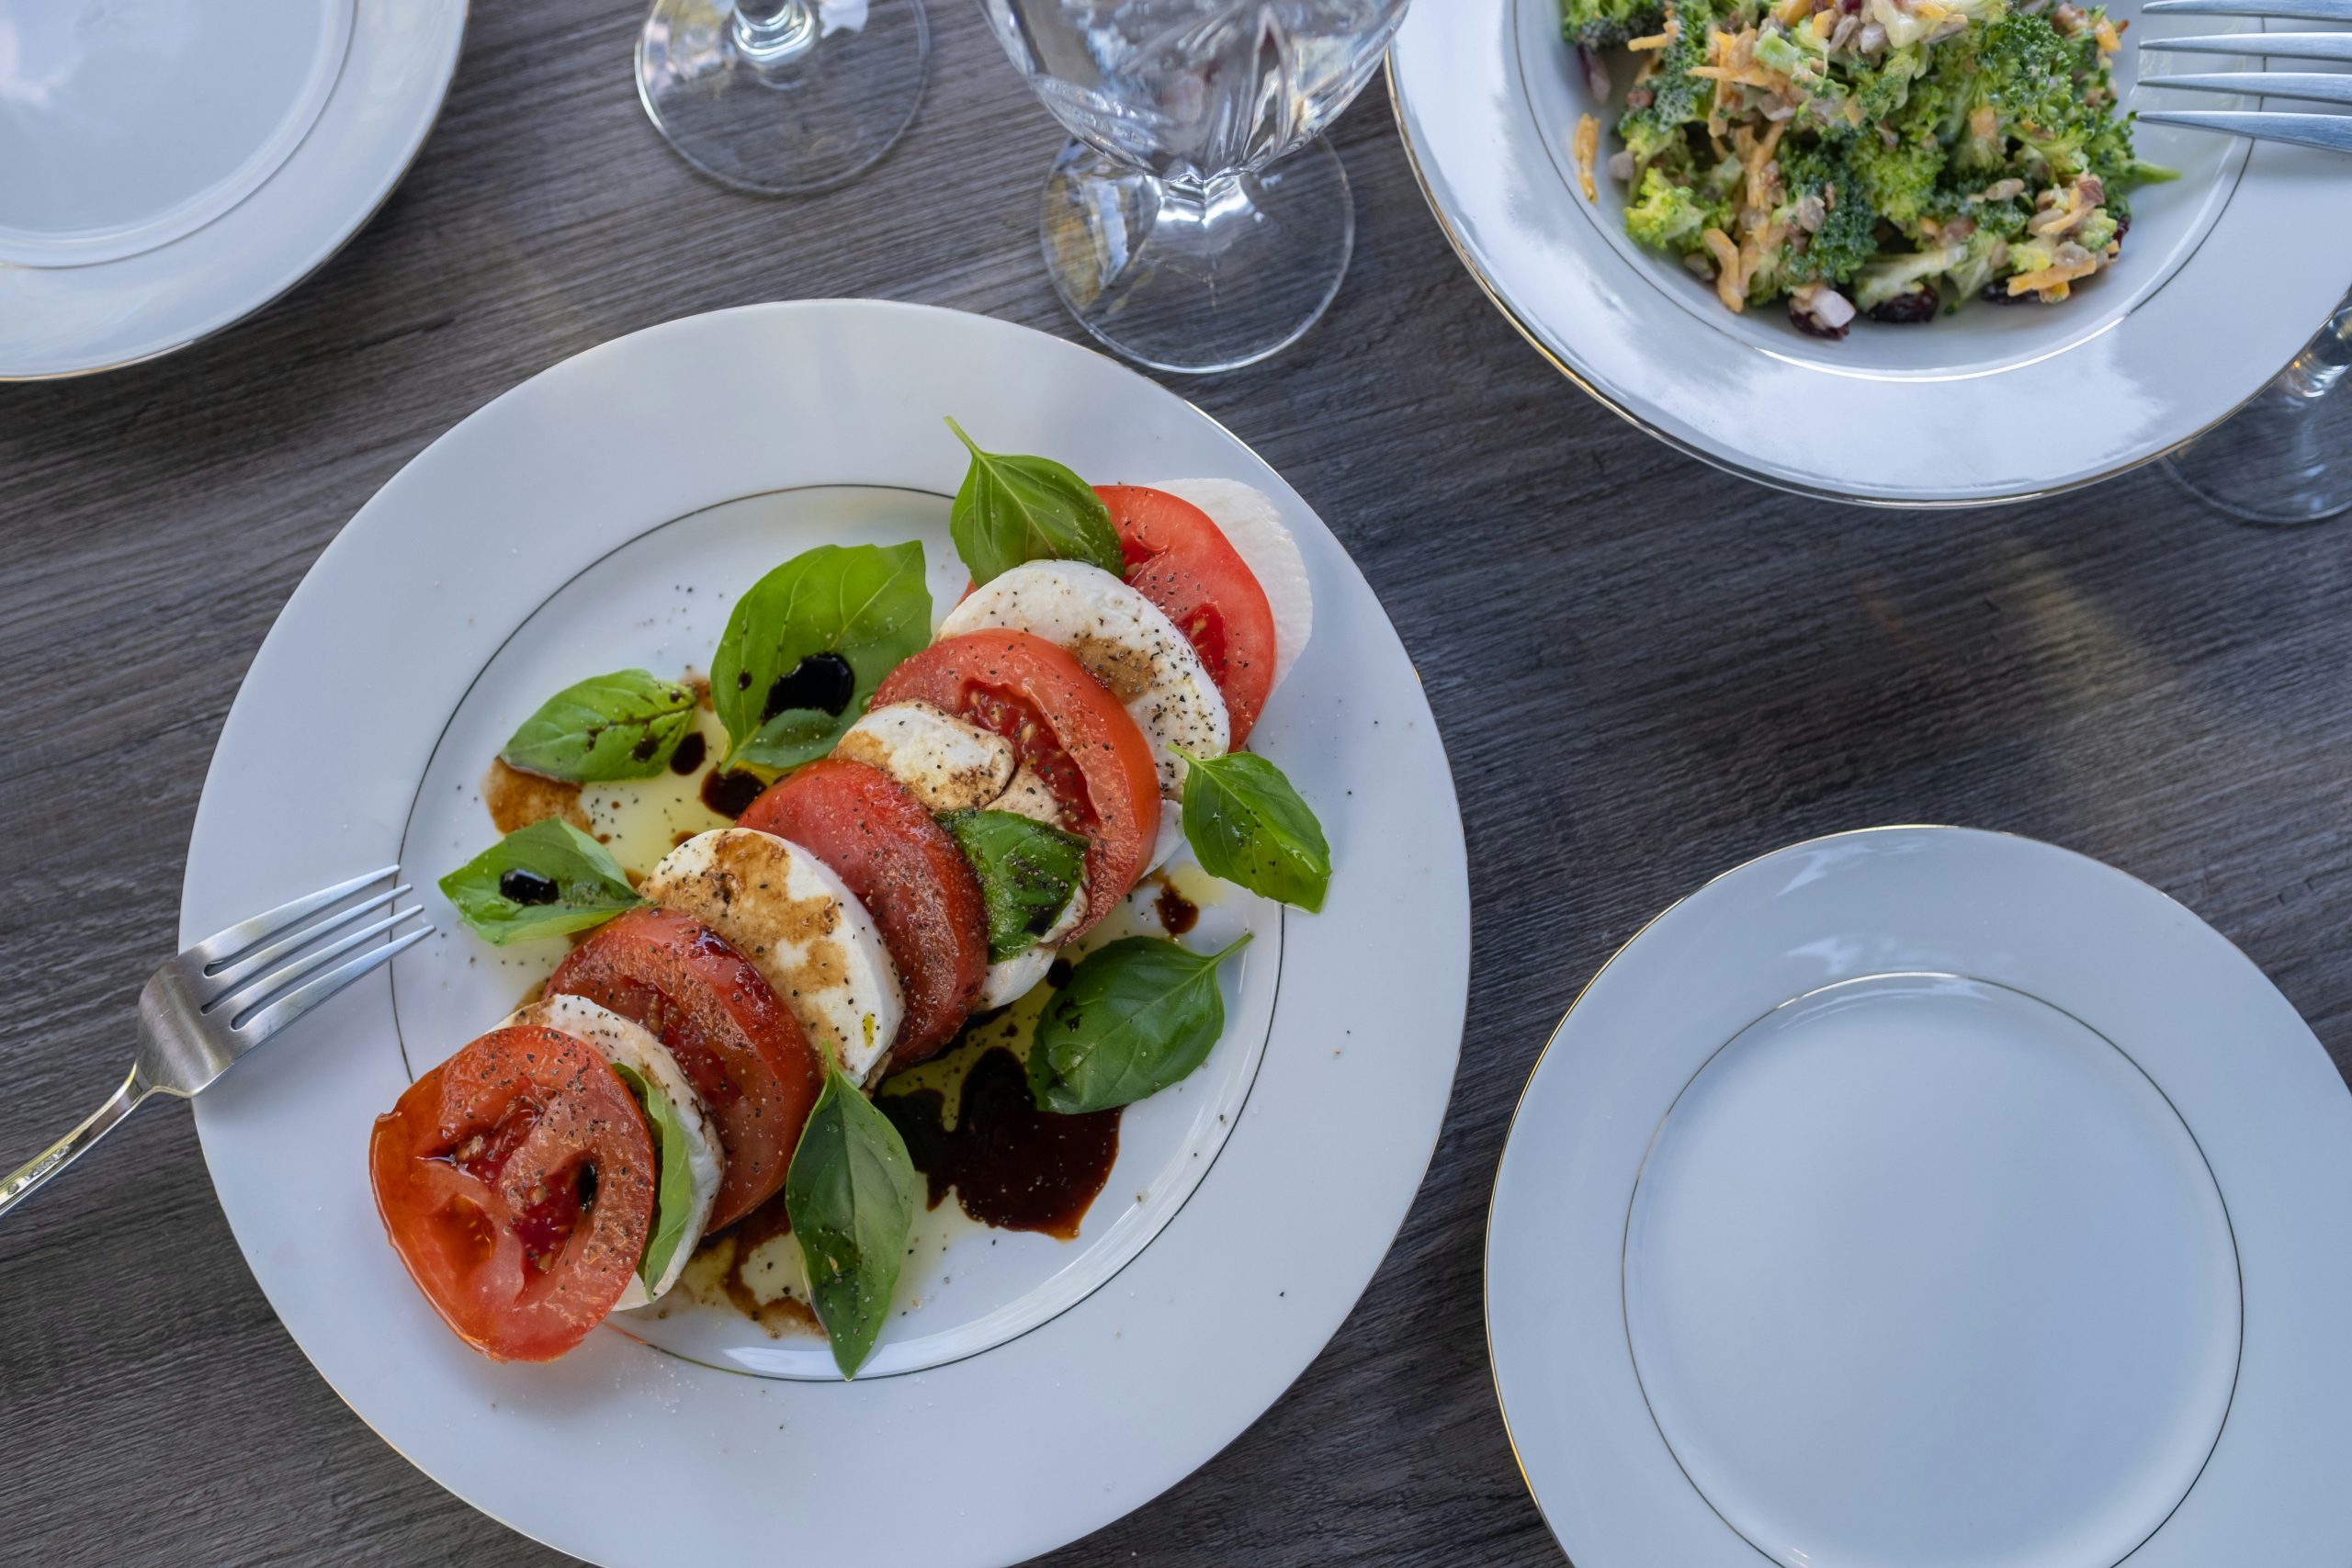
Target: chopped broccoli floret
(1975,267)
(1892,276)
(1899,181)
(1677,98)
(1670,216)
(1596,23)
(1848,237)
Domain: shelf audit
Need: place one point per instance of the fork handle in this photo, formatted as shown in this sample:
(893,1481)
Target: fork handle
(64,1152)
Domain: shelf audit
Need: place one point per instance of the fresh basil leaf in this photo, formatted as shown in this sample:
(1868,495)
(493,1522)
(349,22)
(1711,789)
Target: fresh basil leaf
(1247,825)
(544,880)
(807,645)
(1134,1016)
(1027,870)
(850,1193)
(622,726)
(673,1191)
(1011,510)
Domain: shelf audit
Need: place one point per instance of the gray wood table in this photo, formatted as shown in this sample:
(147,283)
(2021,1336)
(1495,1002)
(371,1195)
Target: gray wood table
(1645,672)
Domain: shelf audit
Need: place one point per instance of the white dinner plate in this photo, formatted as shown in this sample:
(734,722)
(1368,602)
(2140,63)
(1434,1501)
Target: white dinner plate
(2209,300)
(177,164)
(1925,1198)
(605,513)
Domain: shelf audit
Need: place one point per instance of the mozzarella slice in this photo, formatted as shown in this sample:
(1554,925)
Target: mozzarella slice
(1251,524)
(1009,980)
(630,1044)
(799,924)
(1123,639)
(1171,839)
(943,762)
(1027,795)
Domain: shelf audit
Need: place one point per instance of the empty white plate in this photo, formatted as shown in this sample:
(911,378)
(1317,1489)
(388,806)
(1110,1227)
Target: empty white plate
(173,166)
(1922,1197)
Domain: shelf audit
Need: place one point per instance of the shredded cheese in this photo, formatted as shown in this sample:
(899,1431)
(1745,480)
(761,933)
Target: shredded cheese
(1731,281)
(2051,282)
(1586,145)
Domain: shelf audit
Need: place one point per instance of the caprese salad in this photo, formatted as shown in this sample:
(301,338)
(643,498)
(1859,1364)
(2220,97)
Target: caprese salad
(924,821)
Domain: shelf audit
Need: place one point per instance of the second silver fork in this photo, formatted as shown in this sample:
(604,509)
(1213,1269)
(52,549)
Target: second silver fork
(2329,133)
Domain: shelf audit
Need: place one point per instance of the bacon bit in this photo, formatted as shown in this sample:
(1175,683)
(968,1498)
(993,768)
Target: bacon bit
(1731,284)
(1586,145)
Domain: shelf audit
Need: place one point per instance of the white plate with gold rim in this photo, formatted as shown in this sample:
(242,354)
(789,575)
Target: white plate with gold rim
(2226,275)
(1978,1206)
(602,514)
(177,164)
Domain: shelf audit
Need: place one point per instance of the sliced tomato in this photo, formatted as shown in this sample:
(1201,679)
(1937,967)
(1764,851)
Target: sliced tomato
(1180,560)
(911,876)
(1065,726)
(516,1180)
(737,1043)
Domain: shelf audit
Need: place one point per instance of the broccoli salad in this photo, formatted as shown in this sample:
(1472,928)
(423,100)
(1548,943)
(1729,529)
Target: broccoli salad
(1882,157)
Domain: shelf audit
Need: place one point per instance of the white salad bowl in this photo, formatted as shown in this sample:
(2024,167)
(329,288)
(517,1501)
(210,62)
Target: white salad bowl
(2224,276)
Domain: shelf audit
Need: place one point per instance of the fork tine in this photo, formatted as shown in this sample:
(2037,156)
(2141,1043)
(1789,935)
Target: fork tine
(233,975)
(245,934)
(252,1030)
(2311,87)
(2290,10)
(307,963)
(2274,46)
(2328,132)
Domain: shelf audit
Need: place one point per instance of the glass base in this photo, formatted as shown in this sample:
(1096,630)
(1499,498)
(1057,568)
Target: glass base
(1194,277)
(784,106)
(2286,458)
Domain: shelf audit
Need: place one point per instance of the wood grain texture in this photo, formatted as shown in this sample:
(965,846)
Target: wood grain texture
(1645,672)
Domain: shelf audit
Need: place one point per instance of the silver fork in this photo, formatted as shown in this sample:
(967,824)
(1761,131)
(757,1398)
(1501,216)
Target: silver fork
(2331,132)
(226,995)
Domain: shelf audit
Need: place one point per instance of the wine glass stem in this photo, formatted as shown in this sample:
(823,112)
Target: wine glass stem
(2318,368)
(773,32)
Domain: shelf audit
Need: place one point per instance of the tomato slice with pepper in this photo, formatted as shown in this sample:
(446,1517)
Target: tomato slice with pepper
(1180,560)
(910,874)
(733,1038)
(1066,727)
(517,1181)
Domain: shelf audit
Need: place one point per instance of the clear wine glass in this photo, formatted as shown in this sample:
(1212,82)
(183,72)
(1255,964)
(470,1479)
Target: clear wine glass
(782,96)
(2286,456)
(1171,229)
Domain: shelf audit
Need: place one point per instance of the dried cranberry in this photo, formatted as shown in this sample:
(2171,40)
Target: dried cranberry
(1920,305)
(1805,322)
